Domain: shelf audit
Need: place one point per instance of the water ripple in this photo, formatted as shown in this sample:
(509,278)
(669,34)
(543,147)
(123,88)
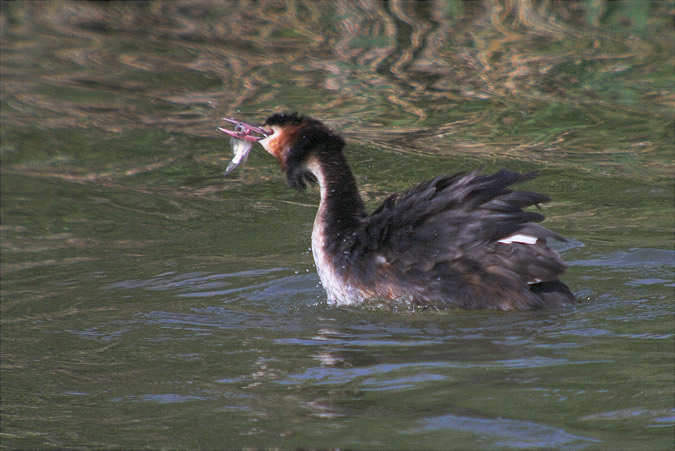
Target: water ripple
(506,432)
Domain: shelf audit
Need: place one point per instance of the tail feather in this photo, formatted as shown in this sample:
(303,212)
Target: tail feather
(554,293)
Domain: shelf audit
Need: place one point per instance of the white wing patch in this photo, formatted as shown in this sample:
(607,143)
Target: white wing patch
(519,238)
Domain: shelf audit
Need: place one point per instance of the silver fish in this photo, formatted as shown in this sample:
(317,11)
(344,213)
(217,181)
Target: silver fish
(241,149)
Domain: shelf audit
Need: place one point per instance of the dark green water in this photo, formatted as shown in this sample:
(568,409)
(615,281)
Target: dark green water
(149,302)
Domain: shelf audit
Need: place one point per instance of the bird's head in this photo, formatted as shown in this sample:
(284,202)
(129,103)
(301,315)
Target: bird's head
(295,141)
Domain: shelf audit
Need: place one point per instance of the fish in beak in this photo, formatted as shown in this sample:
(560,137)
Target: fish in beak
(242,138)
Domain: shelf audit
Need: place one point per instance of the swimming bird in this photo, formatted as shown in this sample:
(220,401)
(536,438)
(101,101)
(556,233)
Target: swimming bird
(458,241)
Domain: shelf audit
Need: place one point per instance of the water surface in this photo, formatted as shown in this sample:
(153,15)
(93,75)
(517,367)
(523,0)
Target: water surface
(150,302)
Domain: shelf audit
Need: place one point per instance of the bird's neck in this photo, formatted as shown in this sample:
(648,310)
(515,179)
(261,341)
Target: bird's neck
(341,209)
(341,205)
(340,213)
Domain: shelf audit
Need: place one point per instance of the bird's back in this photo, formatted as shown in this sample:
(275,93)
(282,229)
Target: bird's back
(459,241)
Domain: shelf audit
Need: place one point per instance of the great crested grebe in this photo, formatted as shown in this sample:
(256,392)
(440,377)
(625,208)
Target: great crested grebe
(458,241)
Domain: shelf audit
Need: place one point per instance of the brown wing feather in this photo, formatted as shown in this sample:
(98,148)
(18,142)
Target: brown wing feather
(447,218)
(442,236)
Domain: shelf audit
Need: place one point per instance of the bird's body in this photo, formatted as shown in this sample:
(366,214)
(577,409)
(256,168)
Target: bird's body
(461,241)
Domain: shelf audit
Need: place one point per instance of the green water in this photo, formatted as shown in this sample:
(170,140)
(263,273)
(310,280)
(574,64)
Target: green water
(150,302)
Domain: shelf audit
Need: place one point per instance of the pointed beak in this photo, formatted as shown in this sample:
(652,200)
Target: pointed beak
(245,131)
